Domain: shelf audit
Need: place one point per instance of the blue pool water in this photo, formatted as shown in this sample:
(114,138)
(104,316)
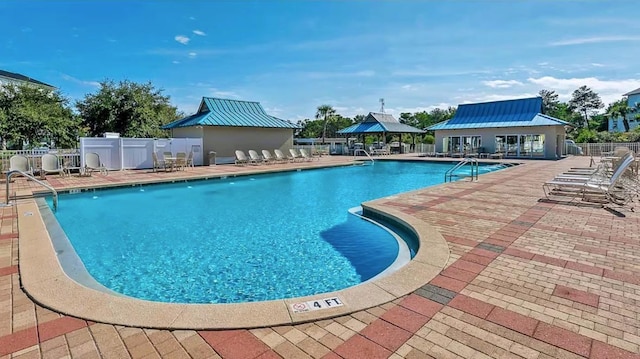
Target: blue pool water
(240,239)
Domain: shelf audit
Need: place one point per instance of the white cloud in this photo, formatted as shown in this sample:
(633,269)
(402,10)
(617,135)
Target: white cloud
(175,61)
(502,84)
(80,82)
(594,40)
(199,32)
(192,55)
(595,64)
(182,39)
(609,90)
(330,75)
(224,94)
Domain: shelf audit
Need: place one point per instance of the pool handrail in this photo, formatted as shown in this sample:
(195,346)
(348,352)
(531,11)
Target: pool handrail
(49,187)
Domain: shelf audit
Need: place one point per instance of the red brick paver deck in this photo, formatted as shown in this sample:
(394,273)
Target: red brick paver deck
(526,279)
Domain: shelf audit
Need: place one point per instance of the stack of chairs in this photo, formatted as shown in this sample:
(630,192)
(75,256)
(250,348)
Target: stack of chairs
(613,183)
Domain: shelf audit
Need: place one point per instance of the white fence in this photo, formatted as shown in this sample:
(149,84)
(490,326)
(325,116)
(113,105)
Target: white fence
(137,153)
(604,149)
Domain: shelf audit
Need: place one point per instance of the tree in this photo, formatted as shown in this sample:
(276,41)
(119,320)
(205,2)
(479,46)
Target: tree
(129,108)
(585,101)
(549,101)
(33,114)
(324,112)
(622,109)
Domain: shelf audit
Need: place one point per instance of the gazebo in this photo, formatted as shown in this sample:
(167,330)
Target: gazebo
(381,124)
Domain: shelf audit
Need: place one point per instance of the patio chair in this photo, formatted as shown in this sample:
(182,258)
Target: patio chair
(92,163)
(51,164)
(20,163)
(157,164)
(268,157)
(296,157)
(181,160)
(190,159)
(255,158)
(241,158)
(280,157)
(597,189)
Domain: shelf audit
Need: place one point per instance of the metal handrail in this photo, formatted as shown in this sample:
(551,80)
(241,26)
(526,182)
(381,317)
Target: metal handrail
(55,193)
(358,150)
(473,162)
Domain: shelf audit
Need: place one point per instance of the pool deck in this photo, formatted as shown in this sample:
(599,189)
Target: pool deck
(525,278)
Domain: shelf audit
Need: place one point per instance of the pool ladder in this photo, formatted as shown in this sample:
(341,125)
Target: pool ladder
(472,162)
(356,151)
(53,191)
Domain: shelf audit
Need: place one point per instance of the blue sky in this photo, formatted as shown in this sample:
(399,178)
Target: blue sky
(293,56)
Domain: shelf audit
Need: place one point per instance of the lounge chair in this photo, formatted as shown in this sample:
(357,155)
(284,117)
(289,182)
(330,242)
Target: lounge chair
(601,172)
(305,155)
(20,163)
(256,158)
(268,157)
(295,155)
(241,158)
(51,164)
(596,189)
(280,157)
(92,163)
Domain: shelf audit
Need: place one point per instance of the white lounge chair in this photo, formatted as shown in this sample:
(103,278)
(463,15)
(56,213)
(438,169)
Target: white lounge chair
(51,164)
(280,157)
(295,155)
(241,158)
(20,163)
(595,189)
(305,155)
(268,157)
(256,158)
(92,163)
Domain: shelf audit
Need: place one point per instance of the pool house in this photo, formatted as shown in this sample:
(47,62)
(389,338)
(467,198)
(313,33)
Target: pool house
(228,125)
(511,128)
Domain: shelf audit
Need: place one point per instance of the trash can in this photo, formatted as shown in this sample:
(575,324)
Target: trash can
(212,158)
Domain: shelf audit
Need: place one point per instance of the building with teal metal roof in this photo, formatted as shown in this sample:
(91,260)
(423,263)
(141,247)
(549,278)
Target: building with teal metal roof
(227,125)
(510,128)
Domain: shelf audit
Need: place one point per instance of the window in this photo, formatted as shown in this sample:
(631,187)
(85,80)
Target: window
(466,144)
(520,145)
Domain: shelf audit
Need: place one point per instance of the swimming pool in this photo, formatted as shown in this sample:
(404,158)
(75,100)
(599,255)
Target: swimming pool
(240,239)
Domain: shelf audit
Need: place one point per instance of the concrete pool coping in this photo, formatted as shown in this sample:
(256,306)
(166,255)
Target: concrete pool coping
(44,280)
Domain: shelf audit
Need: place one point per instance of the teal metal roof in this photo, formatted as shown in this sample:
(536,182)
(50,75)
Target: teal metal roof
(233,113)
(510,113)
(380,122)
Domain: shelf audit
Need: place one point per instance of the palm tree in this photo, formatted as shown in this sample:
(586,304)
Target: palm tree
(324,112)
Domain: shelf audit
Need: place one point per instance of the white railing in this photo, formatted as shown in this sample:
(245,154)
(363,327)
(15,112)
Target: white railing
(70,158)
(602,149)
(315,149)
